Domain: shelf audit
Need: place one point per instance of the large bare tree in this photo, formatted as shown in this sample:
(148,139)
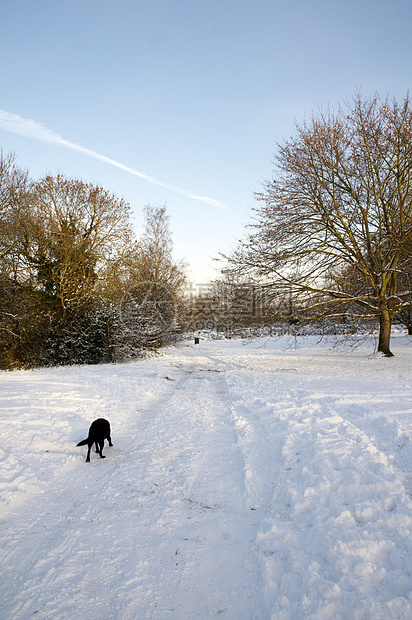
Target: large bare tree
(336,219)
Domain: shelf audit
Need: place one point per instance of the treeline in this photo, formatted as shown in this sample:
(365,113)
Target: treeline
(235,307)
(231,308)
(76,285)
(330,243)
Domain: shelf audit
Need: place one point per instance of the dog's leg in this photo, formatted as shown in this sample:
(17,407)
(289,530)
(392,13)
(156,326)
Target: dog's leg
(101,443)
(88,453)
(109,439)
(97,448)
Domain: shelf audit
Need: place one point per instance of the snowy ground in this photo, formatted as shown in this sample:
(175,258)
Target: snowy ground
(246,481)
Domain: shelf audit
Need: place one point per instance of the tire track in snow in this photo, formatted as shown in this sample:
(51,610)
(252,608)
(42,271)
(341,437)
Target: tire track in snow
(215,530)
(326,498)
(326,462)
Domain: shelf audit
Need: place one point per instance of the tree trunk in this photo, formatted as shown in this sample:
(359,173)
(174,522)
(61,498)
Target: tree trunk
(385,323)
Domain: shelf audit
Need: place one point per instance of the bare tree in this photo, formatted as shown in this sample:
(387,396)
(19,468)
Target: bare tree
(335,222)
(232,307)
(156,281)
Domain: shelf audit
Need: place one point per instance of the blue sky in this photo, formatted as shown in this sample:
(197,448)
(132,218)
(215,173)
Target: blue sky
(182,102)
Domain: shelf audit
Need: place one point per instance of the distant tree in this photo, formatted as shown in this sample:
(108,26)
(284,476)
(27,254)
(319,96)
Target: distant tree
(156,282)
(336,220)
(234,306)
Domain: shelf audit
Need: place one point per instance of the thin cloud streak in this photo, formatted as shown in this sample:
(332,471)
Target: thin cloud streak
(36,131)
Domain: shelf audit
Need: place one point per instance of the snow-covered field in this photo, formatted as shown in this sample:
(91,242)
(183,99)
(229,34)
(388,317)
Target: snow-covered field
(246,481)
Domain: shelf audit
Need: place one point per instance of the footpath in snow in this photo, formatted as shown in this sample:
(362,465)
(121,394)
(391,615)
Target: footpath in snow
(247,481)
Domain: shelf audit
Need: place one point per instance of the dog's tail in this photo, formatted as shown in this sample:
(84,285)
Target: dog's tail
(83,443)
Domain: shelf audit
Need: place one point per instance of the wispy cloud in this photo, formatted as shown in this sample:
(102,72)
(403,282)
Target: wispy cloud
(36,131)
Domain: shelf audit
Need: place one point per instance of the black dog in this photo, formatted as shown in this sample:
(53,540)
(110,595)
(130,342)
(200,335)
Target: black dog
(98,432)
